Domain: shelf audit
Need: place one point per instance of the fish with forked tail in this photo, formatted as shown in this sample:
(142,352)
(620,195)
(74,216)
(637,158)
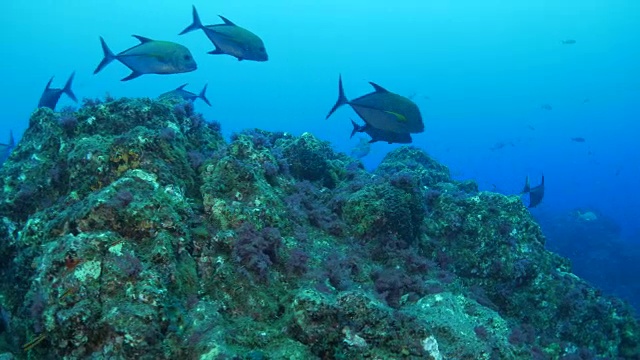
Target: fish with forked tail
(50,96)
(381,135)
(383,110)
(150,57)
(231,39)
(536,193)
(181,93)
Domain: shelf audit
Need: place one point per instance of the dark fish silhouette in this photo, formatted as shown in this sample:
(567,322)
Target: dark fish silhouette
(546,107)
(5,149)
(535,193)
(230,39)
(150,57)
(383,110)
(181,93)
(501,145)
(50,96)
(381,135)
(568,42)
(578,139)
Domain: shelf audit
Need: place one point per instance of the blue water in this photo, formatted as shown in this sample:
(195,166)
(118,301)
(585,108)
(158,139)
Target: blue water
(479,70)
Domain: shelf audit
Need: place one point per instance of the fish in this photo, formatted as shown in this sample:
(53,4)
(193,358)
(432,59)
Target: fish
(383,110)
(5,149)
(536,193)
(230,39)
(50,96)
(568,42)
(150,57)
(578,139)
(546,107)
(501,145)
(381,135)
(181,93)
(362,149)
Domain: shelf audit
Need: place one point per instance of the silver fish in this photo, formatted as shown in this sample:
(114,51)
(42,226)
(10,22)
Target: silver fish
(383,110)
(181,93)
(150,57)
(231,39)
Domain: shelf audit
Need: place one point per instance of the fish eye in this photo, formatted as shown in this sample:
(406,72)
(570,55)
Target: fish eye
(187,57)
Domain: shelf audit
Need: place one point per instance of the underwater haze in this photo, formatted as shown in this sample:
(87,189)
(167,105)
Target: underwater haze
(501,95)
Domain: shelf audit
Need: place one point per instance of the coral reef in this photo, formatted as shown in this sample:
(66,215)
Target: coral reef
(132,229)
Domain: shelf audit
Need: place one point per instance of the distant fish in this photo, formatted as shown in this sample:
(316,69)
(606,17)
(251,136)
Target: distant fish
(578,139)
(150,57)
(50,96)
(568,42)
(535,193)
(230,39)
(5,149)
(181,93)
(362,149)
(546,107)
(586,216)
(383,110)
(381,135)
(501,145)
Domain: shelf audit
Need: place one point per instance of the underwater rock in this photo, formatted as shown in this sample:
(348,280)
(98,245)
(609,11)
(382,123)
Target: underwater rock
(136,231)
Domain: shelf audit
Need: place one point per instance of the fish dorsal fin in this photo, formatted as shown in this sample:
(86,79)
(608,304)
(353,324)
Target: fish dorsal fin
(142,39)
(48,84)
(182,86)
(378,88)
(227,21)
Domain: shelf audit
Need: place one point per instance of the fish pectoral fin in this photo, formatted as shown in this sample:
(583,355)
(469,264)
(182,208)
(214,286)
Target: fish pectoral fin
(131,76)
(398,116)
(216,51)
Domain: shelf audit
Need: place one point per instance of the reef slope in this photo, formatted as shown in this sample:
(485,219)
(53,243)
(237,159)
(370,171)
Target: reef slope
(130,229)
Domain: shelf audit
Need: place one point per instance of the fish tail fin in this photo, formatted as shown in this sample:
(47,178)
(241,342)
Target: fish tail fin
(67,88)
(108,56)
(527,186)
(195,25)
(356,128)
(342,99)
(203,95)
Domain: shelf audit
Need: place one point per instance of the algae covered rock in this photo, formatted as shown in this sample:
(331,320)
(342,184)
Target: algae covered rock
(135,231)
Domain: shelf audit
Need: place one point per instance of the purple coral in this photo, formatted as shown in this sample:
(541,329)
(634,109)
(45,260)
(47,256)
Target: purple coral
(393,284)
(256,250)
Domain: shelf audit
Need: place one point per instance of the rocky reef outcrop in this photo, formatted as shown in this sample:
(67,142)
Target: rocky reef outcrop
(130,229)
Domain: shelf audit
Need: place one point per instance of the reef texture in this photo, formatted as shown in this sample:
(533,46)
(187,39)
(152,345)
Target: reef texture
(130,229)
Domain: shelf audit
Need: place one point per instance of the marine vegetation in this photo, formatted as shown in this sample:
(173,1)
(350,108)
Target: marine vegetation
(137,231)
